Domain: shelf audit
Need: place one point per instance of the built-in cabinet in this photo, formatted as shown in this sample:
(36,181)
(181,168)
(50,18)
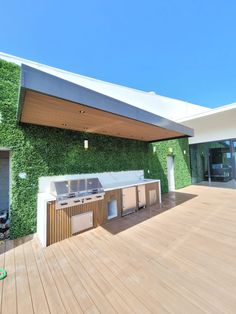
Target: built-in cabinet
(153,195)
(129,200)
(63,223)
(112,209)
(112,206)
(141,196)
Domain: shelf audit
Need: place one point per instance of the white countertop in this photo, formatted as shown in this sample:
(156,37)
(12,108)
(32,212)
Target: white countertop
(126,184)
(107,187)
(46,197)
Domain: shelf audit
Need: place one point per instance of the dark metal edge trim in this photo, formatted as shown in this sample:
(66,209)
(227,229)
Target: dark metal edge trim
(50,85)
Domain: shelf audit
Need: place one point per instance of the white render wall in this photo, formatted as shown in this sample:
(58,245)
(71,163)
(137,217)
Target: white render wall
(214,127)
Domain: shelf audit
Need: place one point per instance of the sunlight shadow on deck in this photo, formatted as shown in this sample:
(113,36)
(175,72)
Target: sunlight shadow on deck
(8,245)
(169,200)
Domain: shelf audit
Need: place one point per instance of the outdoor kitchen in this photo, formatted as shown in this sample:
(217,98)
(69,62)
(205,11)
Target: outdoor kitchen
(69,205)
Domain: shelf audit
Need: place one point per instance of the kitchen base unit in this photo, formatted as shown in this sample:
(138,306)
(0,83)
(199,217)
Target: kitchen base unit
(63,223)
(73,210)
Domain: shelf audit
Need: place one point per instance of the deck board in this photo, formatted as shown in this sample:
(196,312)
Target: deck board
(54,300)
(2,265)
(9,301)
(74,281)
(68,296)
(102,265)
(89,283)
(24,301)
(38,296)
(179,257)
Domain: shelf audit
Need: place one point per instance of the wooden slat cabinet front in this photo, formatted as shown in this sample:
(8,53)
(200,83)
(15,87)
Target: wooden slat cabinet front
(59,220)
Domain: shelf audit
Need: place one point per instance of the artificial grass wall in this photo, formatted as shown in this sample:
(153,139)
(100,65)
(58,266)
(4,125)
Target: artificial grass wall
(42,151)
(179,149)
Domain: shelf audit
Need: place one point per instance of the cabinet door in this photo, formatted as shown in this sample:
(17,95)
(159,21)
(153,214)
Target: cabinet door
(153,198)
(129,200)
(112,209)
(141,196)
(81,222)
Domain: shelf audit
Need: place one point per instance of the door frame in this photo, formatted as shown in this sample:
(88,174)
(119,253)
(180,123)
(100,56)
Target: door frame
(168,174)
(233,157)
(4,149)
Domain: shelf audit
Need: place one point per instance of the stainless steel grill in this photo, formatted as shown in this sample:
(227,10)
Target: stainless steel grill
(76,192)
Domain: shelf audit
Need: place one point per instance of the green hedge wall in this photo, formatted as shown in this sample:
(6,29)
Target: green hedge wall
(42,151)
(179,149)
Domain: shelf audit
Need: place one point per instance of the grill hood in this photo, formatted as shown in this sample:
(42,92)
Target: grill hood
(74,192)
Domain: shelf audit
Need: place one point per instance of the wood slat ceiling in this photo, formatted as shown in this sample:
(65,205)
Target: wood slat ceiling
(45,110)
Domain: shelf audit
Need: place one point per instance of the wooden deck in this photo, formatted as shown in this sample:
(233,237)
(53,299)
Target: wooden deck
(180,258)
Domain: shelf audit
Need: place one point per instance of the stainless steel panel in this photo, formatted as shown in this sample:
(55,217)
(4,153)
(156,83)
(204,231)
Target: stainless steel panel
(129,200)
(77,185)
(60,188)
(81,222)
(112,209)
(75,192)
(141,196)
(93,184)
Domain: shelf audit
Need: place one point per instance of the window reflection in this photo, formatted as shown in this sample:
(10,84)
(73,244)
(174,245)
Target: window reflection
(213,162)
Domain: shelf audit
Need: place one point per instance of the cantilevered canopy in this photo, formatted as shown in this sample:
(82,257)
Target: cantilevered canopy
(51,101)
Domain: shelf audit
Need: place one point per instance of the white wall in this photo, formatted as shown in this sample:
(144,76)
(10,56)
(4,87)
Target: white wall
(219,126)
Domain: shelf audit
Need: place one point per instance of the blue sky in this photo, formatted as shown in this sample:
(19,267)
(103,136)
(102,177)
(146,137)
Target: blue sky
(178,48)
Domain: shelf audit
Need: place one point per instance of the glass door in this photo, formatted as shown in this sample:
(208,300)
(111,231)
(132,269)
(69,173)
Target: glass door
(234,158)
(220,163)
(214,163)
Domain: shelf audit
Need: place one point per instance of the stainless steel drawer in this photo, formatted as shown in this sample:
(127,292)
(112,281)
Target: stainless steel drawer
(81,222)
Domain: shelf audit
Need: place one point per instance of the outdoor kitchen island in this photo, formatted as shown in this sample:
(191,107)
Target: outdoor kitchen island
(68,205)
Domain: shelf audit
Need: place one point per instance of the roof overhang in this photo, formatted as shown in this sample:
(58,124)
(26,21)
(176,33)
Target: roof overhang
(51,101)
